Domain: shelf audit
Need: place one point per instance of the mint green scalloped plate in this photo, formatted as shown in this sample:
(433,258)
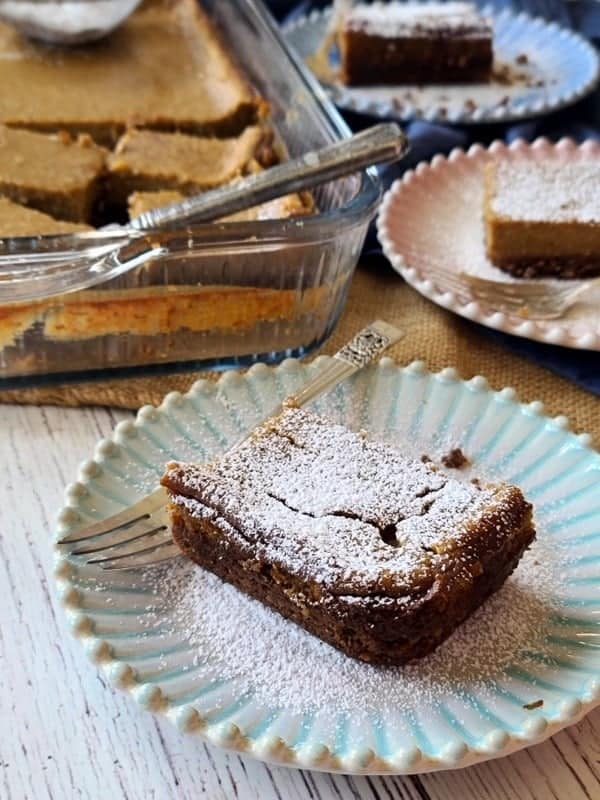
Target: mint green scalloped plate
(139,642)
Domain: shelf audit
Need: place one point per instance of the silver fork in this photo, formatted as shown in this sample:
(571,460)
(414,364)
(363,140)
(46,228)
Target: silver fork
(527,299)
(139,535)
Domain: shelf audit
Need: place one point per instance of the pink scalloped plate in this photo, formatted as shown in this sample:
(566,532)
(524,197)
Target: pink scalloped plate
(431,220)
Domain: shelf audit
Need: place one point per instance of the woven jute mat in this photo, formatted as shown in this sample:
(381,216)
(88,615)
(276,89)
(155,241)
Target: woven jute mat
(432,334)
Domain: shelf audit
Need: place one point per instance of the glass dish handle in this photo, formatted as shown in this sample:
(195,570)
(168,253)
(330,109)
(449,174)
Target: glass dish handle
(34,268)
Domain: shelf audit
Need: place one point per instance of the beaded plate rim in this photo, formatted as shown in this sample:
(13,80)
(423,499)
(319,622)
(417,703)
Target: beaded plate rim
(583,334)
(270,747)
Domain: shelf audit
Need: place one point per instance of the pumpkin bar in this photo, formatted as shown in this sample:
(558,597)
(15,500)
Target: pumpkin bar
(164,68)
(398,43)
(542,218)
(18,220)
(154,310)
(54,174)
(149,160)
(379,555)
(140,202)
(291,205)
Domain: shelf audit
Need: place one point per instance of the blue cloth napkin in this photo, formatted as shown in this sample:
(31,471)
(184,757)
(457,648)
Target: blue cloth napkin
(581,121)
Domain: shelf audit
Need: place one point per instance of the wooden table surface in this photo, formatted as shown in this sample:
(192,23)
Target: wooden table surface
(64,733)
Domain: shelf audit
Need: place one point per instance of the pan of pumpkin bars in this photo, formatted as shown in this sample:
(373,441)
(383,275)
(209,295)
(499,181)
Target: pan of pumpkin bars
(170,104)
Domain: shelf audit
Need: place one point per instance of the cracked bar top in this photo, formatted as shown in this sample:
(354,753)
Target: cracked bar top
(333,507)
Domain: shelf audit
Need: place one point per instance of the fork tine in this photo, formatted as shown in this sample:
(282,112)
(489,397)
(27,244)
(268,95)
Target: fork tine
(497,300)
(446,280)
(502,295)
(451,282)
(528,300)
(140,510)
(522,290)
(157,522)
(133,548)
(470,283)
(141,558)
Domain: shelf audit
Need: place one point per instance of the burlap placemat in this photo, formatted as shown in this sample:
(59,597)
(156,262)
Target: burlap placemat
(432,334)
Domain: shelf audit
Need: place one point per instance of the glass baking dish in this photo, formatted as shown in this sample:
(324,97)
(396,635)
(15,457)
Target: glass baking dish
(221,295)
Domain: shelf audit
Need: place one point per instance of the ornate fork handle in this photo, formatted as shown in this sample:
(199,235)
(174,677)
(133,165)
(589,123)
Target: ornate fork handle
(360,351)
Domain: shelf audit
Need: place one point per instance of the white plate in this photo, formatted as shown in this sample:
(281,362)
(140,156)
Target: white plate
(222,666)
(431,219)
(561,68)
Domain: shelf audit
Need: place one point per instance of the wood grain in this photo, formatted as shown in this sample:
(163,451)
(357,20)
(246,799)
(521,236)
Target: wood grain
(65,734)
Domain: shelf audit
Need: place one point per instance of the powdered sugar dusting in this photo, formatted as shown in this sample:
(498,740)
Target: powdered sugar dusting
(320,501)
(238,638)
(552,191)
(397,19)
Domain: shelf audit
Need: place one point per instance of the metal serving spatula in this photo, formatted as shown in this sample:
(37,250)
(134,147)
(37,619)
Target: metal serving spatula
(32,268)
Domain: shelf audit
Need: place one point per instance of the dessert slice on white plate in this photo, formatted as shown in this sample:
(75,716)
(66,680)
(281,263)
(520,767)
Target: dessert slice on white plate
(398,43)
(542,218)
